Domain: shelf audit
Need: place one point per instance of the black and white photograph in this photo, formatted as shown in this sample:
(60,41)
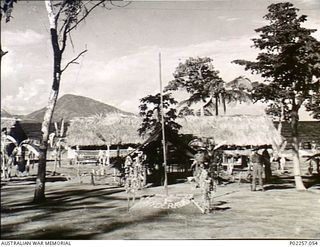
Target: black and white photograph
(160,120)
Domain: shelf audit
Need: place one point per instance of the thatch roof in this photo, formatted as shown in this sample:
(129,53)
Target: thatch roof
(102,130)
(7,122)
(240,130)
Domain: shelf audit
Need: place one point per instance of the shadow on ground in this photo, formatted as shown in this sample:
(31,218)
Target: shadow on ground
(287,182)
(102,204)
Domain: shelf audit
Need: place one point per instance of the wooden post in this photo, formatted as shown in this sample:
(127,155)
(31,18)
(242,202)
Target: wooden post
(108,155)
(92,178)
(78,170)
(144,168)
(118,150)
(55,161)
(59,155)
(163,131)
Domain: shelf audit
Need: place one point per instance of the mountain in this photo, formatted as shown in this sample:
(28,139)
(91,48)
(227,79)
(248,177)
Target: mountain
(4,113)
(70,106)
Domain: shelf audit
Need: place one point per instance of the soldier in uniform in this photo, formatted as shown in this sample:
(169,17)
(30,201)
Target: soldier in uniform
(257,165)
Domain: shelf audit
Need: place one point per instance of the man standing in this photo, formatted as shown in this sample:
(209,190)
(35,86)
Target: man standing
(257,169)
(267,164)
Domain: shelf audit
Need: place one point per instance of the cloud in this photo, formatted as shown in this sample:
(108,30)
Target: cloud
(10,66)
(31,95)
(124,80)
(21,38)
(228,18)
(313,24)
(309,2)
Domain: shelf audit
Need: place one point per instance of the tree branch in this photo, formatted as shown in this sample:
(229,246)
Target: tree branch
(64,34)
(63,4)
(85,15)
(73,61)
(3,53)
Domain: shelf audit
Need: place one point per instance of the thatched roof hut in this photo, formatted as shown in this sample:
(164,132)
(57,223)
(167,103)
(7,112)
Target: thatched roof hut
(7,122)
(239,130)
(14,129)
(104,130)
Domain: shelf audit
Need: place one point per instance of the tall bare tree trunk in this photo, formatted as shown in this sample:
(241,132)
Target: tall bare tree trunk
(296,161)
(39,194)
(224,104)
(281,117)
(217,106)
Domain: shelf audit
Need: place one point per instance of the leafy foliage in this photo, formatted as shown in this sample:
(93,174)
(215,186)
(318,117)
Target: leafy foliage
(186,111)
(198,77)
(313,105)
(150,111)
(274,109)
(289,61)
(6,8)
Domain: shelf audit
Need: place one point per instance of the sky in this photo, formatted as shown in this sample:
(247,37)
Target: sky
(121,65)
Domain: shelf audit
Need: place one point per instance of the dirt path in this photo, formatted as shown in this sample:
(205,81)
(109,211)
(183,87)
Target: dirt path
(84,211)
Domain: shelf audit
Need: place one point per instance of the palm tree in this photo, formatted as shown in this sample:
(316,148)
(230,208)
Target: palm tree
(206,88)
(19,150)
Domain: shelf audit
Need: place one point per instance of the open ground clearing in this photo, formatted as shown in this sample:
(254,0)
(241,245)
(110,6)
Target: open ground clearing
(84,211)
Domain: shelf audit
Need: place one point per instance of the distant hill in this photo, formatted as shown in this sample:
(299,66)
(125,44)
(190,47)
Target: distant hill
(4,113)
(70,106)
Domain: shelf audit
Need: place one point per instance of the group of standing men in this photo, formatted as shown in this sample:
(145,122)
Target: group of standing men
(210,170)
(257,162)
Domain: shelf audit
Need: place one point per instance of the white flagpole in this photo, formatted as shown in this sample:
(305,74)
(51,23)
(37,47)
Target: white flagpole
(163,131)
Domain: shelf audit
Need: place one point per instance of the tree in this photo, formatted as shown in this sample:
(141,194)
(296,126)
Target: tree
(280,111)
(277,101)
(64,16)
(155,112)
(6,10)
(198,77)
(289,63)
(150,111)
(313,105)
(11,149)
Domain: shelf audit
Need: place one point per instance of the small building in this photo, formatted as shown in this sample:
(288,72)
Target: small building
(13,128)
(236,135)
(115,133)
(232,132)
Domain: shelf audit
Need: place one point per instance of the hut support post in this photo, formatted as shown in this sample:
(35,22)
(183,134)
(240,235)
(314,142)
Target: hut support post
(92,178)
(163,132)
(114,175)
(108,154)
(144,167)
(59,155)
(118,150)
(78,171)
(55,161)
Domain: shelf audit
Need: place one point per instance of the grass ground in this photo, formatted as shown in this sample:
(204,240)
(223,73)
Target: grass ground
(76,210)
